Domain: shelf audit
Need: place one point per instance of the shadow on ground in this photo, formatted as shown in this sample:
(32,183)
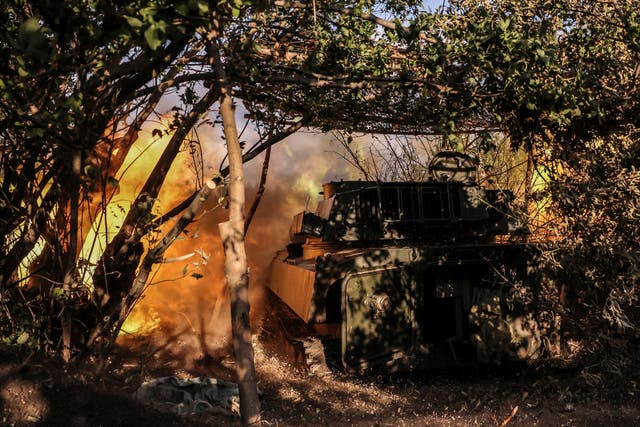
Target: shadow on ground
(44,392)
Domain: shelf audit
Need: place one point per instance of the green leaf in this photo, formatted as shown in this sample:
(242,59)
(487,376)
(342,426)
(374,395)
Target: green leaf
(203,7)
(23,338)
(113,182)
(91,171)
(504,24)
(235,12)
(31,25)
(152,37)
(182,9)
(57,293)
(133,21)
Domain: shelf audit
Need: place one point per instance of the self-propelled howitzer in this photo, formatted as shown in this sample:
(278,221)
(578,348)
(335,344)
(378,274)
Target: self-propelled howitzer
(397,273)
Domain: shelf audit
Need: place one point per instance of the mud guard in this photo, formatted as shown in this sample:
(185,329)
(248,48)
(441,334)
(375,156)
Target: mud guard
(378,325)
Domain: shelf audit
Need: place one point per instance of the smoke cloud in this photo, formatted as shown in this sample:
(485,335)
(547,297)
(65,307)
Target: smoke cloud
(185,309)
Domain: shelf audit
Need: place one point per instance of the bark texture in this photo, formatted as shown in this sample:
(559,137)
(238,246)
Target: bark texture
(235,266)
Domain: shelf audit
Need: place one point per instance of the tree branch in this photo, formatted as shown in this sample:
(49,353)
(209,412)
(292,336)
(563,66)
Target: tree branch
(366,16)
(235,265)
(224,172)
(260,192)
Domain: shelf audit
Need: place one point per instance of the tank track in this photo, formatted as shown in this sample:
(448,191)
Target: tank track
(317,354)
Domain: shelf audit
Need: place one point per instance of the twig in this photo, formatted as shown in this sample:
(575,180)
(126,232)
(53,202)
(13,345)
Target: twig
(178,258)
(507,420)
(260,192)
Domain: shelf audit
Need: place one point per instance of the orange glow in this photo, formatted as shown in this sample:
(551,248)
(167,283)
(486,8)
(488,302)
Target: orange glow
(167,301)
(135,170)
(141,322)
(184,311)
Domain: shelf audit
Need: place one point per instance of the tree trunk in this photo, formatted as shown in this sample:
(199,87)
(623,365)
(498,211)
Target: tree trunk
(235,266)
(530,204)
(71,252)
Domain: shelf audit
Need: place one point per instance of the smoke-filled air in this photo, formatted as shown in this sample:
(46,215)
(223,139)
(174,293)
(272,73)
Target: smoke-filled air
(184,311)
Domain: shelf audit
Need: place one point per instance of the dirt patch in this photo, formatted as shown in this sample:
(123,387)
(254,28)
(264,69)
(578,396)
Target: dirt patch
(442,398)
(43,391)
(46,392)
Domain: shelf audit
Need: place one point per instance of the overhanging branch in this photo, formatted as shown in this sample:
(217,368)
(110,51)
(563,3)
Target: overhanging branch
(224,172)
(366,16)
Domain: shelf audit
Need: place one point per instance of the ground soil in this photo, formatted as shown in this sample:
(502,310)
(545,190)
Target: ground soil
(36,390)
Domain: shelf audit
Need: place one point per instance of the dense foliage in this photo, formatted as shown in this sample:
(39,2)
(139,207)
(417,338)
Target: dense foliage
(598,194)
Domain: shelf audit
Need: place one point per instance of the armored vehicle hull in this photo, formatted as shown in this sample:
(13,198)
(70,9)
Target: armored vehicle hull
(399,274)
